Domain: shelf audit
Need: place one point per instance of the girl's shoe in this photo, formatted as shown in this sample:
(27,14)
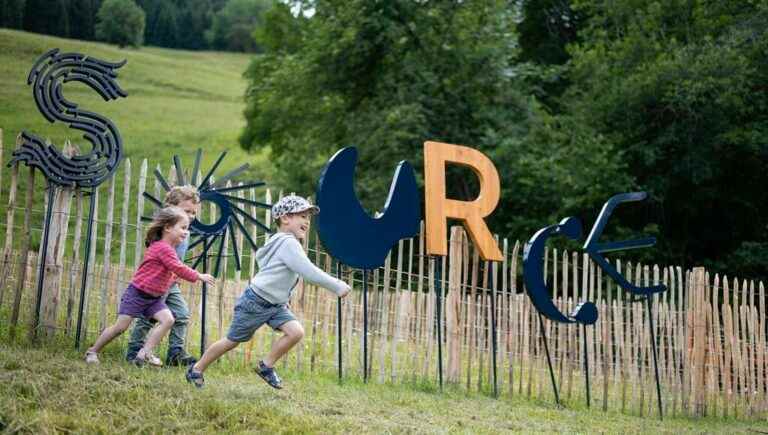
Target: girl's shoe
(91,357)
(143,358)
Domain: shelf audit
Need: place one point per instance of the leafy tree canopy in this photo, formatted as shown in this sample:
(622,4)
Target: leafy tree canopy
(120,22)
(678,89)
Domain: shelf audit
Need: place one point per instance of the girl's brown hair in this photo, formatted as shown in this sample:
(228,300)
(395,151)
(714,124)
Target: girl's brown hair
(165,217)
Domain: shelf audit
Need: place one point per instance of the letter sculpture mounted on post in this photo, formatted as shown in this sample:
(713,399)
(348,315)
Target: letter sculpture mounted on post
(586,312)
(355,238)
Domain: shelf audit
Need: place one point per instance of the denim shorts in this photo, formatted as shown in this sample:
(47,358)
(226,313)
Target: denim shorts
(252,311)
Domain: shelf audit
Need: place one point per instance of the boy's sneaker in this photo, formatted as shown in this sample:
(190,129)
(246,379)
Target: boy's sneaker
(195,378)
(269,375)
(91,357)
(147,358)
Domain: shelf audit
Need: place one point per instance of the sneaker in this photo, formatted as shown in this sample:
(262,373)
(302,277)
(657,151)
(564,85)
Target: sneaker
(195,378)
(269,375)
(130,355)
(147,358)
(91,357)
(179,358)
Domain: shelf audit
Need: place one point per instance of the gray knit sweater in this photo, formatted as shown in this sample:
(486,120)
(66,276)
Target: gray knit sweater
(281,260)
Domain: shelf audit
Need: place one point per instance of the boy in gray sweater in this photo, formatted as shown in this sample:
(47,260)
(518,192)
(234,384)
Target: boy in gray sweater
(281,261)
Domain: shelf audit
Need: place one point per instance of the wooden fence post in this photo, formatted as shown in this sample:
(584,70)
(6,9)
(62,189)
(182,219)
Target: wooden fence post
(21,275)
(453,305)
(8,253)
(698,340)
(54,257)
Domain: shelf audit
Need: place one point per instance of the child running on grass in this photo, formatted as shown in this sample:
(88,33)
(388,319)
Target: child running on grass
(186,198)
(145,294)
(281,261)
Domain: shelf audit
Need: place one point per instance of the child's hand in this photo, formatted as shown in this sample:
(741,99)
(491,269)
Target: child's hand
(207,278)
(345,292)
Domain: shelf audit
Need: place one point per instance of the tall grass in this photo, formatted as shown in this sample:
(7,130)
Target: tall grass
(51,390)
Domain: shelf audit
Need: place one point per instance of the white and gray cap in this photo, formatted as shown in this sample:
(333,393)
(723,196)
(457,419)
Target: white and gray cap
(292,204)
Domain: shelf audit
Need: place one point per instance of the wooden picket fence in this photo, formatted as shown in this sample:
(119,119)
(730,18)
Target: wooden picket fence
(711,330)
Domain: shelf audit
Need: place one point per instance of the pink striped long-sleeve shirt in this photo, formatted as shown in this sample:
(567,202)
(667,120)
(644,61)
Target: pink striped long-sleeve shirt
(159,269)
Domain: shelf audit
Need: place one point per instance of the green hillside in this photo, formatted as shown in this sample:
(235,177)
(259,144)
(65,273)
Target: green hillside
(53,391)
(177,100)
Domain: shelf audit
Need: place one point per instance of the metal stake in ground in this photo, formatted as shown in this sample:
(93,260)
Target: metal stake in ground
(438,318)
(494,344)
(204,304)
(365,325)
(586,359)
(649,301)
(87,262)
(549,358)
(338,324)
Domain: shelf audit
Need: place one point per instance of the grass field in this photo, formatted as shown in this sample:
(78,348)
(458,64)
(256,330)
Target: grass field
(52,390)
(177,100)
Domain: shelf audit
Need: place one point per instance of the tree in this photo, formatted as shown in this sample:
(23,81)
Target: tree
(385,76)
(678,89)
(44,16)
(120,22)
(12,13)
(195,19)
(82,15)
(166,29)
(233,26)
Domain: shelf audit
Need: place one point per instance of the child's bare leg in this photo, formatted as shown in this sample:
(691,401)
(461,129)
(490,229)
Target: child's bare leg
(213,353)
(109,334)
(165,322)
(293,332)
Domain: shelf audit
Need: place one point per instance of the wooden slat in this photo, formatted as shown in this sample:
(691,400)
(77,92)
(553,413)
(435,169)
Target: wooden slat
(384,316)
(513,314)
(75,267)
(139,248)
(107,258)
(453,306)
(8,257)
(21,275)
(126,205)
(400,308)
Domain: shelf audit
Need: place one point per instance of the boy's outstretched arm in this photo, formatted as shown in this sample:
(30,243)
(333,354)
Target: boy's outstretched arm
(296,259)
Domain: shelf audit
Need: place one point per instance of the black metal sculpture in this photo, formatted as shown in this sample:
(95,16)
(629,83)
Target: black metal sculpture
(47,77)
(586,312)
(352,236)
(231,216)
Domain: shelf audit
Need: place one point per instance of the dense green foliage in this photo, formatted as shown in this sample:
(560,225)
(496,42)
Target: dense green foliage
(169,23)
(573,100)
(679,89)
(233,26)
(120,22)
(385,76)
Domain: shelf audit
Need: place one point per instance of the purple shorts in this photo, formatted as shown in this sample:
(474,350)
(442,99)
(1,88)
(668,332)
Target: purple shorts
(136,303)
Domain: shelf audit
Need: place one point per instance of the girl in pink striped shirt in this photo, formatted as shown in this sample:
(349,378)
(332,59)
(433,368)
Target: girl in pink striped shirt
(145,295)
